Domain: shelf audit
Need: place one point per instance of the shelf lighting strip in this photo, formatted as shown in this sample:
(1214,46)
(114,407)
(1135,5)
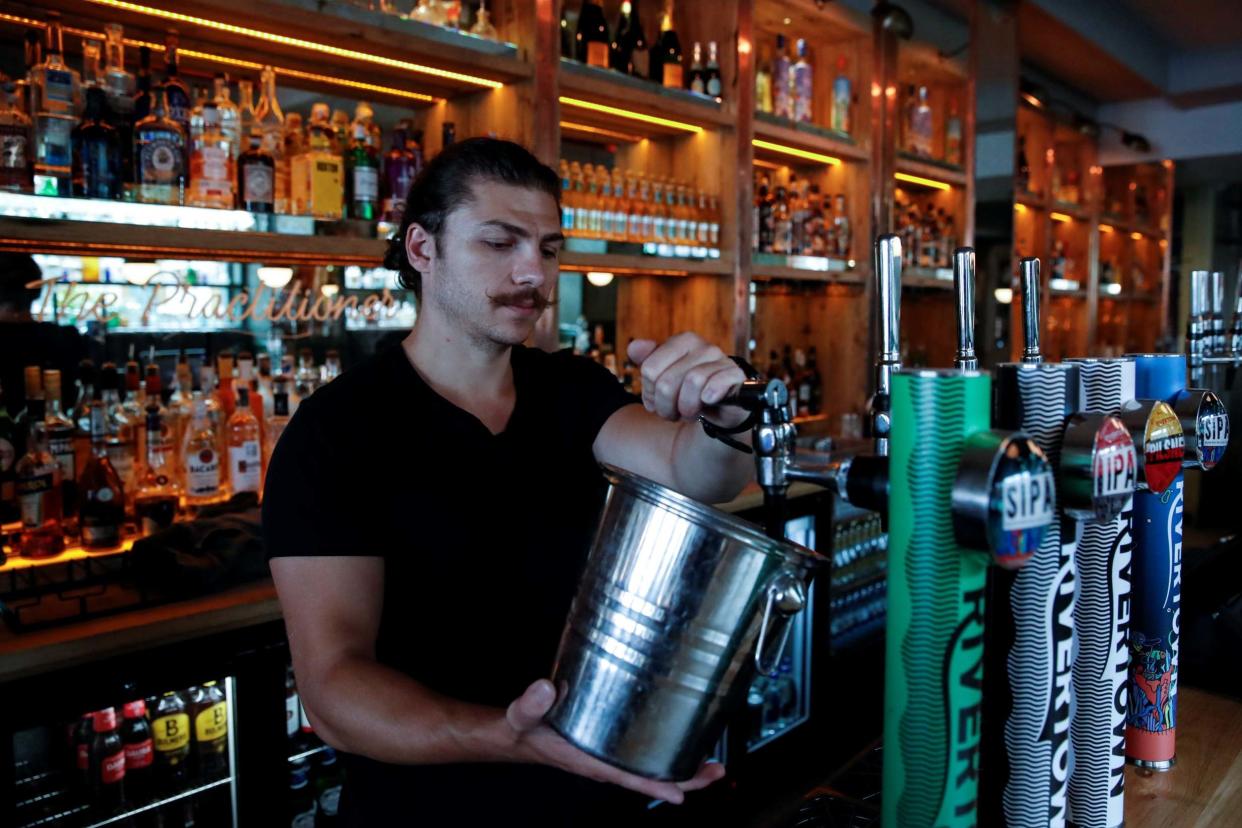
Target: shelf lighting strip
(607,133)
(625,113)
(1060,217)
(796,153)
(245,64)
(1106,228)
(926,182)
(308,45)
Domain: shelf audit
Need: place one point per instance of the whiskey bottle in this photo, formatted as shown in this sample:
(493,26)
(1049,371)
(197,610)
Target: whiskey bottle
(38,488)
(101,507)
(212,168)
(175,89)
(230,114)
(159,154)
(120,87)
(245,451)
(363,180)
(57,92)
(144,98)
(591,39)
(97,169)
(15,143)
(60,440)
(256,177)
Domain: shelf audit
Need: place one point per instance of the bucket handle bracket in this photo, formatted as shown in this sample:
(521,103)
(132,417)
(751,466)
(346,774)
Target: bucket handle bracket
(787,597)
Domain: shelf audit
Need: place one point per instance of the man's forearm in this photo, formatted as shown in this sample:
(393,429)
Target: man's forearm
(366,708)
(706,468)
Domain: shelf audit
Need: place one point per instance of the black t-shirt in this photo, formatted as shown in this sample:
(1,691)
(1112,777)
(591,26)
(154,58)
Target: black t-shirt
(483,538)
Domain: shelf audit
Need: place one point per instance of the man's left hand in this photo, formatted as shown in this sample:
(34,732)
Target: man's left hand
(687,376)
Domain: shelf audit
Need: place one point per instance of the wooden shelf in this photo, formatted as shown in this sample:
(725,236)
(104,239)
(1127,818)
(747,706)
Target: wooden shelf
(93,238)
(638,98)
(795,274)
(923,278)
(1067,294)
(1031,200)
(804,137)
(1074,211)
(335,39)
(626,264)
(929,168)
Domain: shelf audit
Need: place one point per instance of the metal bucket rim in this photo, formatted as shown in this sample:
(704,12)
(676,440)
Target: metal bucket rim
(1100,360)
(710,517)
(932,373)
(1155,356)
(1047,367)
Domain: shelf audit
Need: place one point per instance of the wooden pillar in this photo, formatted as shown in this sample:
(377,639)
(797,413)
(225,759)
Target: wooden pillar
(744,94)
(545,113)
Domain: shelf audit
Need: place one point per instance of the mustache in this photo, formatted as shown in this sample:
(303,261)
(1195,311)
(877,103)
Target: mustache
(526,296)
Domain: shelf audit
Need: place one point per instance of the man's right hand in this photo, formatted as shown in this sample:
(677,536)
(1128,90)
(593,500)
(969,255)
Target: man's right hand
(534,741)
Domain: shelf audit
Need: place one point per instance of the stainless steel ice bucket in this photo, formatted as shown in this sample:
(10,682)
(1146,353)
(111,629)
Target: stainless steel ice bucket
(678,605)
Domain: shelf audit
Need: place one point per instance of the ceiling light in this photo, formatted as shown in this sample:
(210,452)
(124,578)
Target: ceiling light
(330,289)
(139,273)
(599,278)
(1003,295)
(275,277)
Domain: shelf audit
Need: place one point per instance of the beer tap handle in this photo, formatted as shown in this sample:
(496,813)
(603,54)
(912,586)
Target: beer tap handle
(964,289)
(1198,335)
(1235,326)
(1029,270)
(888,306)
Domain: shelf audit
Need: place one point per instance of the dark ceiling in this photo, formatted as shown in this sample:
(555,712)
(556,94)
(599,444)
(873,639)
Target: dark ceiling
(1192,24)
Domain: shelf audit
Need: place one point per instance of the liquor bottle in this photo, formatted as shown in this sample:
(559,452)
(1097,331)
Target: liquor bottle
(340,122)
(363,178)
(482,26)
(256,177)
(101,507)
(33,56)
(144,98)
(107,765)
(230,114)
(802,80)
(331,365)
(841,227)
(160,155)
(921,125)
(763,217)
(56,95)
(713,82)
(245,107)
(139,750)
(245,453)
(763,81)
(698,78)
(225,392)
(398,176)
(1023,166)
(591,39)
(316,174)
(907,119)
(119,86)
(668,57)
(175,89)
(842,96)
(200,455)
(120,440)
(97,167)
(215,408)
(212,168)
(782,81)
(245,379)
(9,441)
(60,438)
(16,139)
(627,39)
(170,728)
(38,487)
(364,114)
(279,419)
(159,492)
(92,71)
(271,123)
(209,715)
(953,135)
(307,376)
(817,386)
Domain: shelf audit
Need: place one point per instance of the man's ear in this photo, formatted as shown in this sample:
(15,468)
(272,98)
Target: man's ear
(420,247)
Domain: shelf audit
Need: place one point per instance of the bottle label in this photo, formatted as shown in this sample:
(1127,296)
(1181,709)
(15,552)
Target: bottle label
(13,149)
(673,76)
(212,723)
(112,768)
(326,191)
(172,732)
(32,494)
(291,715)
(696,85)
(567,219)
(160,161)
(83,757)
(597,54)
(366,184)
(61,448)
(244,466)
(330,801)
(139,755)
(258,183)
(58,91)
(713,86)
(203,473)
(215,165)
(55,146)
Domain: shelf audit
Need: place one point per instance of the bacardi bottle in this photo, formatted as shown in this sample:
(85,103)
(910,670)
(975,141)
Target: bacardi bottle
(101,507)
(201,457)
(57,92)
(245,451)
(160,155)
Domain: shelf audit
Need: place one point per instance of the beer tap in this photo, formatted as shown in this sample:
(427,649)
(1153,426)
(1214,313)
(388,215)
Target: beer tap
(1235,327)
(964,290)
(1198,335)
(888,306)
(1029,270)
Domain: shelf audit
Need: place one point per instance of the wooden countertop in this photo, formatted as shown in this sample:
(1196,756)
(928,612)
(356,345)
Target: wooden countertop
(1204,790)
(42,651)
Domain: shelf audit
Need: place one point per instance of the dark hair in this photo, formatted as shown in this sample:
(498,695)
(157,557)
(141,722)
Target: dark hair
(446,183)
(16,271)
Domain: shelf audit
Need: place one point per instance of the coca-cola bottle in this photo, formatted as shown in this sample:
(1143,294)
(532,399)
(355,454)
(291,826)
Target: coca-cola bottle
(139,752)
(83,737)
(107,764)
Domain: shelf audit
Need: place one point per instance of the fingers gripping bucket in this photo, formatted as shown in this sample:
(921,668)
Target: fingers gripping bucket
(678,604)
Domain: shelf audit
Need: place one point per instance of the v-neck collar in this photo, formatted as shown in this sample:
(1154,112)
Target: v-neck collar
(456,412)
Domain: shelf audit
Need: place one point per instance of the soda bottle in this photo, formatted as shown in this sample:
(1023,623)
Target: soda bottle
(107,764)
(170,728)
(328,779)
(210,714)
(83,737)
(139,751)
(301,796)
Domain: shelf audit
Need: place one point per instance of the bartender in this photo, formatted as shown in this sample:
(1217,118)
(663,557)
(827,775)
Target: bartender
(428,514)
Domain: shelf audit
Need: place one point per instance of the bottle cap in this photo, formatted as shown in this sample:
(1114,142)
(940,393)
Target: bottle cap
(104,720)
(135,709)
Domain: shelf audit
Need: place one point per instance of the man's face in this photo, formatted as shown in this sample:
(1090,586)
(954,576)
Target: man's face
(496,263)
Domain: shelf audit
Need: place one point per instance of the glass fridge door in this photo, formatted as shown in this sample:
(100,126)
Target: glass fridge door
(165,761)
